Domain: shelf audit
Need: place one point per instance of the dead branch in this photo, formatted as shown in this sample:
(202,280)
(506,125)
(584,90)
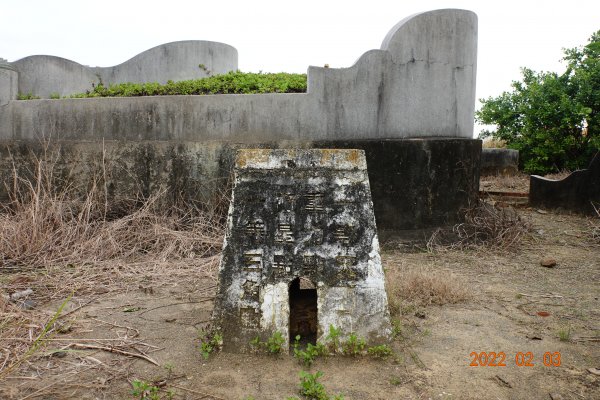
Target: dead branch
(113,350)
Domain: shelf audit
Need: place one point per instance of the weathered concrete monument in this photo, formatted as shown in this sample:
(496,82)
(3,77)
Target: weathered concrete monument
(301,251)
(409,105)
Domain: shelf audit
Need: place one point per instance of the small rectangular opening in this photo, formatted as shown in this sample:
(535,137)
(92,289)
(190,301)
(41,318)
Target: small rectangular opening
(303,311)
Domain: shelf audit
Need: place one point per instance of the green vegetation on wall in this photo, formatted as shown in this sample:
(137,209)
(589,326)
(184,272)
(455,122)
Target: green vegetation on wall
(230,83)
(552,119)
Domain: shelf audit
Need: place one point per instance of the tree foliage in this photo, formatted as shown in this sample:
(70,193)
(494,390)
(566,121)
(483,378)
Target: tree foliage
(552,119)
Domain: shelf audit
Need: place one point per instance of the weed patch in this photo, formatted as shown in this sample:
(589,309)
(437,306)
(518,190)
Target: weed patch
(312,389)
(273,345)
(209,343)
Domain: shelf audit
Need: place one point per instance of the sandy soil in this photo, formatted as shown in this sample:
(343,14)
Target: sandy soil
(432,355)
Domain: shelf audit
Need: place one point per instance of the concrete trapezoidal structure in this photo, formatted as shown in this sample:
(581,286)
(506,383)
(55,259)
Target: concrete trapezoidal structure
(301,251)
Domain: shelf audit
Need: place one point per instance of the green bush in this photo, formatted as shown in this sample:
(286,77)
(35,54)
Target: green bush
(230,83)
(552,119)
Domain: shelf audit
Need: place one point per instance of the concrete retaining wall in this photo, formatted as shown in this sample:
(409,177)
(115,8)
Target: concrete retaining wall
(415,183)
(44,76)
(499,161)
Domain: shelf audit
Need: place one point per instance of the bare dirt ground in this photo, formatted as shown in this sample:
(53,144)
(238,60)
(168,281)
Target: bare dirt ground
(507,303)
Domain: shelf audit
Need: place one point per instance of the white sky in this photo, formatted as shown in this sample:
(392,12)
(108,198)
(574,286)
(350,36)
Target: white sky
(275,36)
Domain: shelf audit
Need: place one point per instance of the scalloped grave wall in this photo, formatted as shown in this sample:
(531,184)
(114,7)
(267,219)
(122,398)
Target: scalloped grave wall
(413,98)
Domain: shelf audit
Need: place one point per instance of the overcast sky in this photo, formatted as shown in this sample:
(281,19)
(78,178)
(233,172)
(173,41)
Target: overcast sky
(275,36)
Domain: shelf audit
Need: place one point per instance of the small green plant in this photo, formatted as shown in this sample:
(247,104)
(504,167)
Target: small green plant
(396,328)
(564,335)
(354,345)
(169,367)
(255,342)
(333,337)
(273,345)
(308,355)
(203,68)
(54,96)
(381,351)
(312,389)
(27,96)
(310,386)
(143,390)
(396,381)
(210,342)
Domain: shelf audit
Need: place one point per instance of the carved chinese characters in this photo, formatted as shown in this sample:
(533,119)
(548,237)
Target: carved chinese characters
(296,213)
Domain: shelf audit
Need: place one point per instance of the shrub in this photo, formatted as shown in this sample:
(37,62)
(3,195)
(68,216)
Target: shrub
(230,83)
(552,119)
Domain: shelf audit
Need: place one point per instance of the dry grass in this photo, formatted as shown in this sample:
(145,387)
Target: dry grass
(490,143)
(485,225)
(410,287)
(595,225)
(43,226)
(506,183)
(61,243)
(557,176)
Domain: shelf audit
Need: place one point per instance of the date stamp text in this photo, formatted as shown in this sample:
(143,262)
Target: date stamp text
(521,359)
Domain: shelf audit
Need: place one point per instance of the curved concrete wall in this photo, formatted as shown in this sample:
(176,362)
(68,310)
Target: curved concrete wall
(8,82)
(420,84)
(579,192)
(47,75)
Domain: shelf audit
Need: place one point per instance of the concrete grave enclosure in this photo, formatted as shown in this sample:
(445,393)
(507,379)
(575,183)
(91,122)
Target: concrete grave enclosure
(408,105)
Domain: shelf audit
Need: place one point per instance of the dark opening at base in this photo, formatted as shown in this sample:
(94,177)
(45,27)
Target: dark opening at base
(303,311)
